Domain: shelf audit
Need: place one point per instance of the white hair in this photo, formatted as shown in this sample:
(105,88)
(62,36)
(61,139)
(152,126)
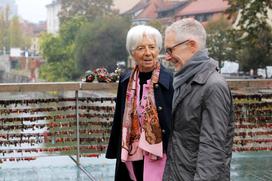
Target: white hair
(189,28)
(135,36)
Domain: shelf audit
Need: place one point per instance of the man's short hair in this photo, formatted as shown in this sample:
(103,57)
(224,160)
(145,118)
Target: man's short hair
(189,28)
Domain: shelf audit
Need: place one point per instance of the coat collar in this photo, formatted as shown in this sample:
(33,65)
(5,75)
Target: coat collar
(202,76)
(125,76)
(164,79)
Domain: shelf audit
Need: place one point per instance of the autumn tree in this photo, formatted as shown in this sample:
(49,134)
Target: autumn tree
(219,42)
(16,38)
(158,25)
(90,36)
(90,9)
(101,43)
(2,33)
(253,32)
(258,54)
(4,29)
(252,16)
(59,51)
(11,33)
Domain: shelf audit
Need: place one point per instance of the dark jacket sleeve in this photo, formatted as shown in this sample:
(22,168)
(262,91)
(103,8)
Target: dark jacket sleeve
(115,137)
(211,158)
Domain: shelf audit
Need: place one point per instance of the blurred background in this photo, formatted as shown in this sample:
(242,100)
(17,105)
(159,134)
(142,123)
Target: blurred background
(49,41)
(58,40)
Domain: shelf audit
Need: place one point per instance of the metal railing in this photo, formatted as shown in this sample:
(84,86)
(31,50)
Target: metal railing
(74,118)
(49,119)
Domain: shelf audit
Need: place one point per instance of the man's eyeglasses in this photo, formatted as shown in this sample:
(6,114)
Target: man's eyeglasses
(170,49)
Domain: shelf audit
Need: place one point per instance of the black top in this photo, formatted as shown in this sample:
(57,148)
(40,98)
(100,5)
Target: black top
(163,98)
(144,76)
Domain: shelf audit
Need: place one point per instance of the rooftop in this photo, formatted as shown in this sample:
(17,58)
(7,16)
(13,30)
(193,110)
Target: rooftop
(203,6)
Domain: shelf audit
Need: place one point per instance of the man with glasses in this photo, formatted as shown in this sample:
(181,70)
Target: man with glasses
(200,143)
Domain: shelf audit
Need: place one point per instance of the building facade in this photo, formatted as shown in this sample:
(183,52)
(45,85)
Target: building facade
(169,11)
(53,22)
(203,10)
(53,9)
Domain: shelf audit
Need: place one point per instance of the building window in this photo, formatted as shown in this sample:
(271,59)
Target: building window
(203,17)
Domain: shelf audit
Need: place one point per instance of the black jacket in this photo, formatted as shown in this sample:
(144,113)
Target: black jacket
(163,92)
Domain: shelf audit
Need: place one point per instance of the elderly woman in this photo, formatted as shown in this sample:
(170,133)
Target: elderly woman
(142,119)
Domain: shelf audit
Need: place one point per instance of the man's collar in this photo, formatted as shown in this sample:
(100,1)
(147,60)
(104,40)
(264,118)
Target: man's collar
(204,74)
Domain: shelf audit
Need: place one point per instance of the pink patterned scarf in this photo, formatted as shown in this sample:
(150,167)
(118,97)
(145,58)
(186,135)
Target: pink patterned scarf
(146,139)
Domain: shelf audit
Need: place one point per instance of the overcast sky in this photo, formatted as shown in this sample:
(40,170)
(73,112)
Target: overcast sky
(32,10)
